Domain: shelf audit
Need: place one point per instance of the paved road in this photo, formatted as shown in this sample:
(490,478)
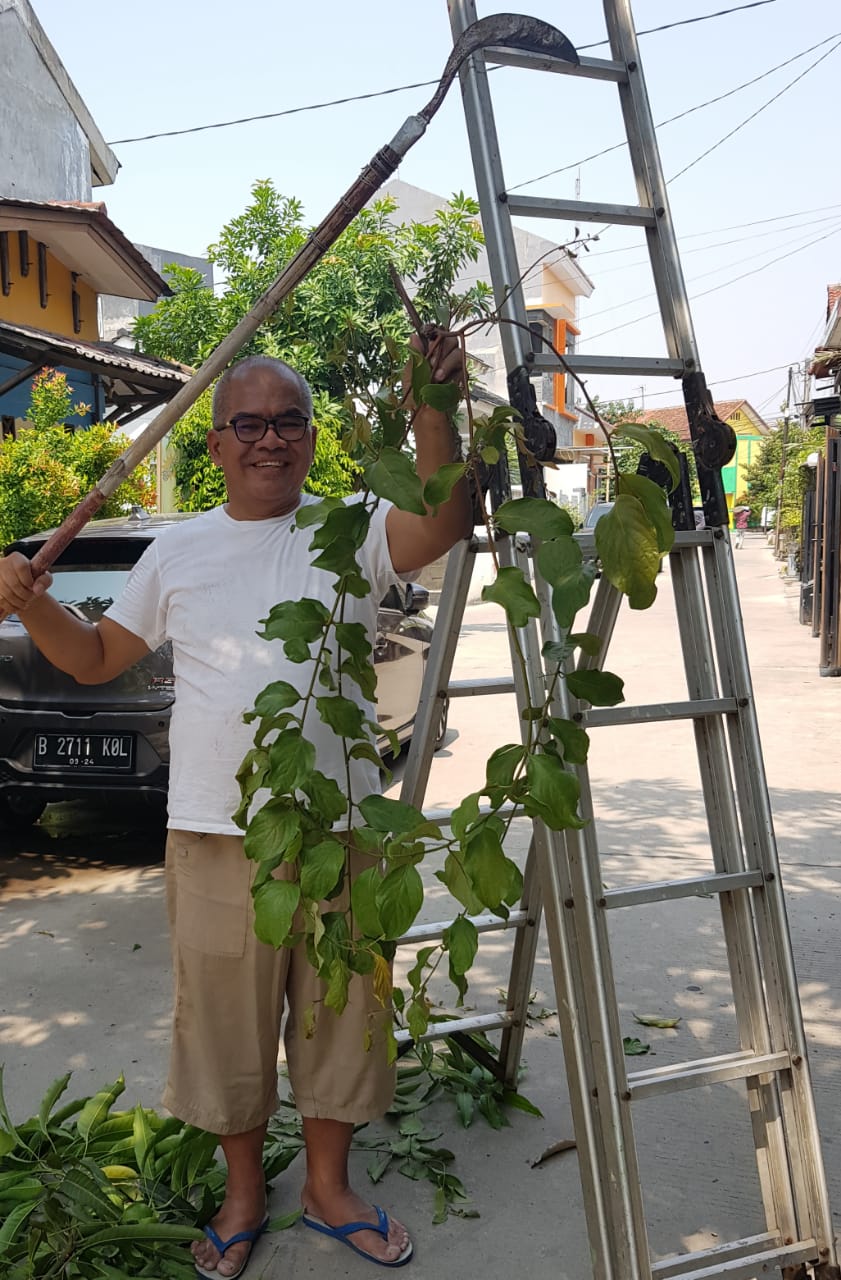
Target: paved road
(84,958)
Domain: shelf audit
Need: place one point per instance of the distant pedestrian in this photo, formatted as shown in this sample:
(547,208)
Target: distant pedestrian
(741,524)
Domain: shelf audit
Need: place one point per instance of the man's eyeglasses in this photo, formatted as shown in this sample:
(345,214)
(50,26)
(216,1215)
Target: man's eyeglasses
(249,428)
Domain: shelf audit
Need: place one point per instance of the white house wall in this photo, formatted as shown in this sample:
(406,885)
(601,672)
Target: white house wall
(44,152)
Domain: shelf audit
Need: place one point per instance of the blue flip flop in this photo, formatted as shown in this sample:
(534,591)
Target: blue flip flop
(223,1246)
(344,1233)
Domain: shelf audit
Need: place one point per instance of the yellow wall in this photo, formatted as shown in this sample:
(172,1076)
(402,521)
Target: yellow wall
(23,306)
(748,441)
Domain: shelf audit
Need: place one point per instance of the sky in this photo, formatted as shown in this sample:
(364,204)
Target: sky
(763,205)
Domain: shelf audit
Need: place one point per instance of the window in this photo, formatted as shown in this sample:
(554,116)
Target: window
(23,252)
(42,274)
(5,278)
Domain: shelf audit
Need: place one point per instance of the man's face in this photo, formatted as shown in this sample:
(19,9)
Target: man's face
(265,478)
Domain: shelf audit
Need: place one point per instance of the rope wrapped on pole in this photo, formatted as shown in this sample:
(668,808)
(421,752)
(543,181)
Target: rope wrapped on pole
(502,30)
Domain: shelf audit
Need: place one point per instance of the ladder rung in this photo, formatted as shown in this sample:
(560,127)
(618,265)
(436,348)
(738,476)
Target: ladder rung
(693,709)
(443,817)
(590,68)
(676,1264)
(479,1022)
(470,688)
(630,215)
(484,924)
(713,1264)
(685,540)
(636,366)
(694,887)
(703,1071)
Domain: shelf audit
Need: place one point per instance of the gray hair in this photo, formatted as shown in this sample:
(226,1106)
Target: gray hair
(242,367)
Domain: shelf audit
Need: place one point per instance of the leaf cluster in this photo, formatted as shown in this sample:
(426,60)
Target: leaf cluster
(90,1193)
(45,472)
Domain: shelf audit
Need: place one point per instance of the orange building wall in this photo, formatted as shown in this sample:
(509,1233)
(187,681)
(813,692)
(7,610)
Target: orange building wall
(22,305)
(563,329)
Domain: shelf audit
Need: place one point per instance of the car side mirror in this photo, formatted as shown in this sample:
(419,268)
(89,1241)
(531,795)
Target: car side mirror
(417,598)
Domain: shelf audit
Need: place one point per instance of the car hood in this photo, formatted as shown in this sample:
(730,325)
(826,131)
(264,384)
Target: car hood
(29,681)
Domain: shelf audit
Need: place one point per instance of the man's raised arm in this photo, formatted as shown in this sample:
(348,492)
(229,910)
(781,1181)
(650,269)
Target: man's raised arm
(415,541)
(90,652)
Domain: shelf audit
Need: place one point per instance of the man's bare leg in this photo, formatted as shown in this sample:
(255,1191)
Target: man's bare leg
(244,1206)
(327,1194)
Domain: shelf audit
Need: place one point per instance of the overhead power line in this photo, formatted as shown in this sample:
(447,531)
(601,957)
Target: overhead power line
(737,377)
(400,88)
(709,102)
(754,114)
(715,288)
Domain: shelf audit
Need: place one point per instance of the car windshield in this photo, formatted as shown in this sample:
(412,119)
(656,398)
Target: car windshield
(89,588)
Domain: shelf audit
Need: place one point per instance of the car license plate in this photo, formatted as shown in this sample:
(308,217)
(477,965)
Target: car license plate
(103,752)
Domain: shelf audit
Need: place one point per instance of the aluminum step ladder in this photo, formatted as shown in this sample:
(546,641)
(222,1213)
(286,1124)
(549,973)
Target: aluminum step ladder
(564,877)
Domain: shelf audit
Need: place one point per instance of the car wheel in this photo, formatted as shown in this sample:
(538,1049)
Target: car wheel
(19,810)
(442,725)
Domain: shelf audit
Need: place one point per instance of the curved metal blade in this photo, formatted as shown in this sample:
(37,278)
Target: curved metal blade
(504,30)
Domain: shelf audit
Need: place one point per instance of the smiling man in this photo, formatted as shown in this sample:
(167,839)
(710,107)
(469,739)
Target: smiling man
(204,585)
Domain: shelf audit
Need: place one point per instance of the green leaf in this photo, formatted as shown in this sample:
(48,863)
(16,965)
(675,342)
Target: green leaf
(343,716)
(275,904)
(336,995)
(460,886)
(461,940)
(440,485)
(444,397)
(363,673)
(7,1143)
(657,508)
(49,1100)
(634,1048)
(503,764)
(536,516)
(321,868)
(296,620)
(515,594)
(421,374)
(654,444)
(285,1221)
(652,1020)
(574,742)
(628,548)
(276,697)
(466,1107)
(316,512)
(393,476)
(495,878)
(363,902)
(553,793)
(291,761)
(465,815)
(347,523)
(599,688)
(385,814)
(96,1108)
(274,830)
(353,637)
(399,897)
(367,751)
(14,1221)
(587,642)
(560,564)
(327,798)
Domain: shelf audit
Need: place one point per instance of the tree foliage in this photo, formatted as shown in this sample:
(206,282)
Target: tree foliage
(341,328)
(333,328)
(49,468)
(762,477)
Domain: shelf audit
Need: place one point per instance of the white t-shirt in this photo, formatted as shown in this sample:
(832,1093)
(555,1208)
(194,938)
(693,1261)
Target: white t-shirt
(205,585)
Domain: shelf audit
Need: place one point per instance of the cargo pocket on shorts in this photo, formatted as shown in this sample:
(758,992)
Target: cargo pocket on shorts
(213,895)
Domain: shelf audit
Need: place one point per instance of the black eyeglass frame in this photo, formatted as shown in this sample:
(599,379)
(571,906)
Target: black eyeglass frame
(281,424)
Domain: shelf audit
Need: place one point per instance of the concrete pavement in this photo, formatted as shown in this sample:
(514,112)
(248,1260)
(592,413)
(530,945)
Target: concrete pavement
(85,983)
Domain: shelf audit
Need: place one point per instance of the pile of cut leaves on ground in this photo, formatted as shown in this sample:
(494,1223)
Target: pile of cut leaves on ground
(91,1193)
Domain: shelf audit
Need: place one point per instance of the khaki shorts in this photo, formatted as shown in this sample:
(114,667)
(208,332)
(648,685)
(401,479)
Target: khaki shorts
(230,991)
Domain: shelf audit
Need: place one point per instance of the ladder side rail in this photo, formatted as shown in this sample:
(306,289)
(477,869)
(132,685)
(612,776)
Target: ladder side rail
(490,184)
(749,995)
(651,186)
(439,666)
(585,908)
(771,913)
(609,1250)
(526,940)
